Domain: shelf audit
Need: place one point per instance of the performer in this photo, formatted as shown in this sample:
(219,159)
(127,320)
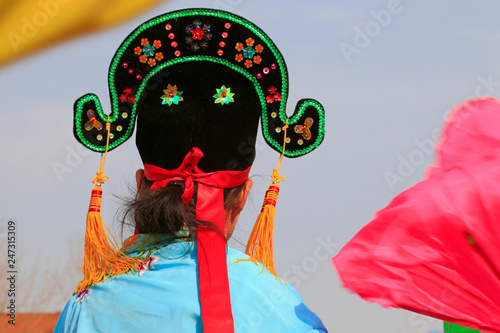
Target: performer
(197,80)
(435,250)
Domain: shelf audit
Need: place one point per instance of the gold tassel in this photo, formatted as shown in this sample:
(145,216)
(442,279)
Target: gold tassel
(101,259)
(260,243)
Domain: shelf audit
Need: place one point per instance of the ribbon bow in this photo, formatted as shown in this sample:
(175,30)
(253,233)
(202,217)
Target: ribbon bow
(187,172)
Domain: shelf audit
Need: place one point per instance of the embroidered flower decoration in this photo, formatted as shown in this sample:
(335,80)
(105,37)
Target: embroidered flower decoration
(238,57)
(93,122)
(304,129)
(157,44)
(274,95)
(172,95)
(198,35)
(82,294)
(148,52)
(159,56)
(239,47)
(127,96)
(129,242)
(147,264)
(224,95)
(248,52)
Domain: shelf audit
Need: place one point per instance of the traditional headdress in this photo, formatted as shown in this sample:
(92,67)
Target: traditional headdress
(196,81)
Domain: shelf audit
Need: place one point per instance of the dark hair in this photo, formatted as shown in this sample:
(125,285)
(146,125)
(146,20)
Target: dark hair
(162,211)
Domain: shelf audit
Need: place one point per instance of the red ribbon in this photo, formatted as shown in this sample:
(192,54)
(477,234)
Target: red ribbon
(189,172)
(215,299)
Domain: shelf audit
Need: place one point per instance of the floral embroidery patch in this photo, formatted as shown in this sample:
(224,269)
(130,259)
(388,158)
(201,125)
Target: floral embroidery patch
(304,129)
(224,95)
(147,264)
(127,246)
(147,52)
(198,35)
(274,95)
(127,96)
(172,95)
(93,122)
(249,52)
(82,294)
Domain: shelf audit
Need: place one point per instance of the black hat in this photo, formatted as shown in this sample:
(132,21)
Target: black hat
(199,78)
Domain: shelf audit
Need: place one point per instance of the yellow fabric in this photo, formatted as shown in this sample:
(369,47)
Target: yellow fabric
(27,26)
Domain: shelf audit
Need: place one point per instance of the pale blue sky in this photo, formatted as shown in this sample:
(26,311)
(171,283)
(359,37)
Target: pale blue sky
(382,108)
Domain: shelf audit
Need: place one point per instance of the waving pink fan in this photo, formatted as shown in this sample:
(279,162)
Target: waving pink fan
(435,249)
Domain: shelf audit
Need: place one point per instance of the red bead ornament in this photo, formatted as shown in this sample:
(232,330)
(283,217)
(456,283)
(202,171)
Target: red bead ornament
(227,25)
(177,53)
(125,65)
(273,66)
(224,34)
(222,44)
(220,52)
(173,44)
(131,71)
(138,77)
(168,27)
(171,35)
(258,75)
(265,70)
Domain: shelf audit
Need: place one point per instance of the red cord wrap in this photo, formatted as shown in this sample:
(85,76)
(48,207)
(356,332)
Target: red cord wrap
(271,196)
(95,200)
(215,299)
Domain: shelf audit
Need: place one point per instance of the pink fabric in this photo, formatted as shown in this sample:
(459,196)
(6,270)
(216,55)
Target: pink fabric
(435,249)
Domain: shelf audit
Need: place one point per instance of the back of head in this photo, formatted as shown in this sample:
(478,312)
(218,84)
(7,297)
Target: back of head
(197,81)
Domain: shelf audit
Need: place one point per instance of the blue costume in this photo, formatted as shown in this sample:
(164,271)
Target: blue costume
(165,298)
